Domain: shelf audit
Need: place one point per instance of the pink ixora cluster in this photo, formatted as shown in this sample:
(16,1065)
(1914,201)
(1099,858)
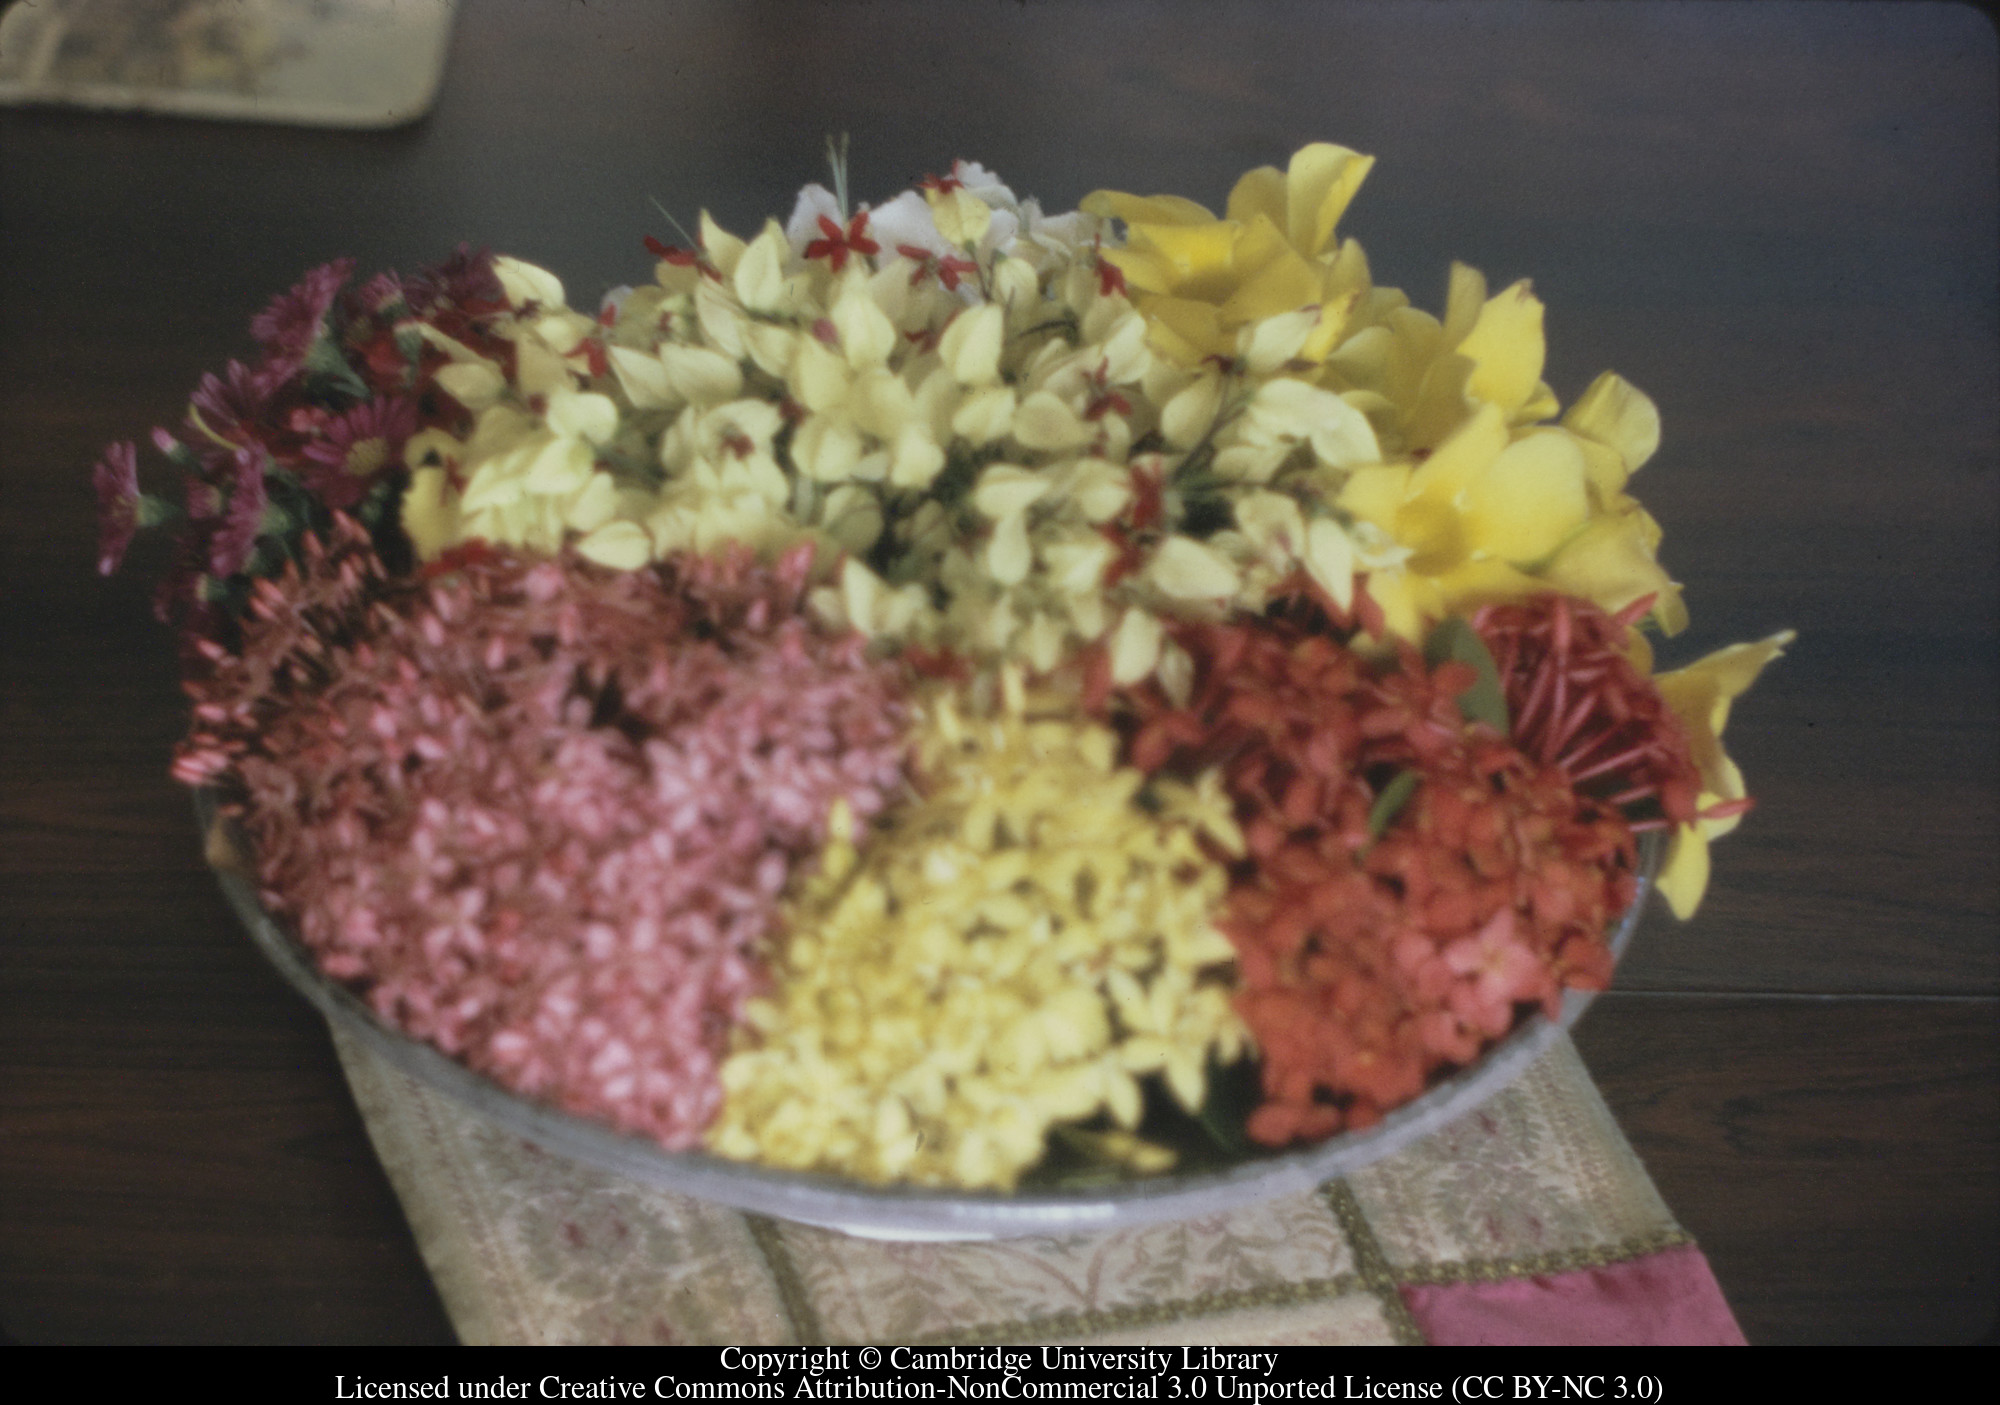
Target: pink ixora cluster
(539,812)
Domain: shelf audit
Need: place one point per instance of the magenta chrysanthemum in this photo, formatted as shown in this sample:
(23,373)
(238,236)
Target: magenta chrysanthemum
(542,813)
(230,548)
(232,405)
(294,320)
(116,479)
(354,448)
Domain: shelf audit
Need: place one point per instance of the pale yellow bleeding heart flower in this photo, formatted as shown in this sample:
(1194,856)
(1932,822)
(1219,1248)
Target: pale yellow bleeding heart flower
(1700,696)
(1198,279)
(1477,516)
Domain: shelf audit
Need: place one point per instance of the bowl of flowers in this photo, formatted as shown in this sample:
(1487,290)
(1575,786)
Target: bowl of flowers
(939,718)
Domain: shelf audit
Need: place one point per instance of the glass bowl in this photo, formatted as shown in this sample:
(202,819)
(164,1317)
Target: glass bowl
(915,1212)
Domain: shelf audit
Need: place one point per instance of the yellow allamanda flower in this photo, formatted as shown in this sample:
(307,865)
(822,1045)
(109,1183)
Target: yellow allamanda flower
(1700,696)
(1199,279)
(1420,378)
(1497,515)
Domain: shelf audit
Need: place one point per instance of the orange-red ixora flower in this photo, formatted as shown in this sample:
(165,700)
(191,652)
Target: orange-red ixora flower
(1377,952)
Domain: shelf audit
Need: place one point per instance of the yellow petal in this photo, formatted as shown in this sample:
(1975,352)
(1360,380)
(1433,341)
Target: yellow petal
(1201,256)
(867,336)
(1135,647)
(1008,555)
(1186,570)
(960,216)
(1330,558)
(1188,416)
(1138,210)
(1259,192)
(1263,347)
(1463,457)
(759,279)
(524,283)
(1506,348)
(724,249)
(623,546)
(473,384)
(1005,490)
(1463,303)
(971,345)
(1529,500)
(1144,270)
(1185,331)
(1683,878)
(1319,185)
(1619,415)
(985,417)
(819,376)
(1471,584)
(584,415)
(703,376)
(1408,602)
(1283,284)
(539,371)
(1609,564)
(643,377)
(1374,492)
(1045,421)
(430,513)
(1701,694)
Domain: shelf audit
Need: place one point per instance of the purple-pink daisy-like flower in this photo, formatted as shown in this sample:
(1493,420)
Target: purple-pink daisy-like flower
(294,320)
(356,447)
(229,549)
(377,297)
(230,406)
(465,281)
(116,479)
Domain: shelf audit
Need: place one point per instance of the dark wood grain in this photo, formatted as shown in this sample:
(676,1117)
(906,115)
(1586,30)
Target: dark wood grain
(1778,220)
(1840,1208)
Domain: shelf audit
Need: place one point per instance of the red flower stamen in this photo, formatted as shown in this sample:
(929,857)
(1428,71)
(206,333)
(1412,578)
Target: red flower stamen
(839,243)
(671,253)
(1148,496)
(1577,703)
(1110,278)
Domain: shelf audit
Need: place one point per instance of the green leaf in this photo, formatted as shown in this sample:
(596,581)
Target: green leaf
(1389,804)
(1234,1091)
(153,512)
(326,364)
(1455,641)
(181,456)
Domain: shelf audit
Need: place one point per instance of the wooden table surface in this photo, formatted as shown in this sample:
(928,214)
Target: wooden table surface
(1779,220)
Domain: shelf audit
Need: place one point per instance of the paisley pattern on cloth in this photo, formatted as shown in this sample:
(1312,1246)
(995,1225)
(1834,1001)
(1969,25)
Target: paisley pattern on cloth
(1528,1220)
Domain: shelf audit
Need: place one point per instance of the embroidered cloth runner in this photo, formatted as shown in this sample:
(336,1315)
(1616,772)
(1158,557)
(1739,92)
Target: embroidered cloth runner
(1528,1220)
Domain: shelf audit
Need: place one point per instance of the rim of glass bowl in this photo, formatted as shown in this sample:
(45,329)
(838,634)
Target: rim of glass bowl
(917,1212)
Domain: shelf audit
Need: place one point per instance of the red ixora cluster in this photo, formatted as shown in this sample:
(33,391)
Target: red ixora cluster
(1580,704)
(541,813)
(1413,880)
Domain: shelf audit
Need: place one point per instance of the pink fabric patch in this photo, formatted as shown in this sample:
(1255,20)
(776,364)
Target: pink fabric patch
(1664,1299)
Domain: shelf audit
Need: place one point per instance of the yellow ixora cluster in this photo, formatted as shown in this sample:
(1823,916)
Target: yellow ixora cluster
(1012,953)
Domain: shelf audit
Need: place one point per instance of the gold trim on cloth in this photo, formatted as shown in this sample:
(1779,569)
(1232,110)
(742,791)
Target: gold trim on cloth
(529,1248)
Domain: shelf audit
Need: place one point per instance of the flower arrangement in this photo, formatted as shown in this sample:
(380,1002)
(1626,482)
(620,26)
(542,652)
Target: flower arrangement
(941,692)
